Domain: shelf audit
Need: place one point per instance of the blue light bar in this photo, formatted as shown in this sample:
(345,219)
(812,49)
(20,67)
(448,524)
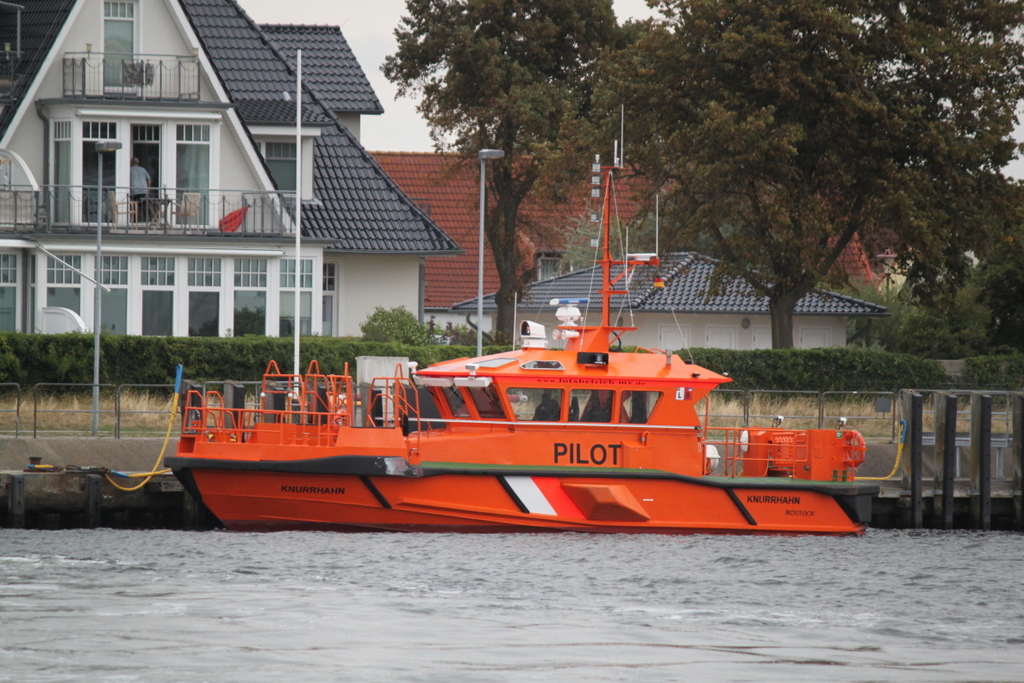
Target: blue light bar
(568,302)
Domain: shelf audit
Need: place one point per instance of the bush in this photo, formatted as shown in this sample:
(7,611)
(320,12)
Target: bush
(394,325)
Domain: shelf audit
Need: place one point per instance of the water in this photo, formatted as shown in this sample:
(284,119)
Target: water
(125,606)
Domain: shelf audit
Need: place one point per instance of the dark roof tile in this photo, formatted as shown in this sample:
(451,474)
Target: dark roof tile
(687,282)
(328,66)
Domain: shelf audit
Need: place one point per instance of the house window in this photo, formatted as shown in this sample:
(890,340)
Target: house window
(114,303)
(63,274)
(204,272)
(286,321)
(250,296)
(204,306)
(91,132)
(8,292)
(327,305)
(193,165)
(280,158)
(548,266)
(62,171)
(118,41)
(158,304)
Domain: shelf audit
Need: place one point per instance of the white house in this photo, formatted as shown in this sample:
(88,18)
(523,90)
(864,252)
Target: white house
(682,314)
(204,98)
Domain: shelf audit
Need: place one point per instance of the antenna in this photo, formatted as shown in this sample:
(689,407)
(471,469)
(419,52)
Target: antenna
(622,132)
(657,221)
(615,153)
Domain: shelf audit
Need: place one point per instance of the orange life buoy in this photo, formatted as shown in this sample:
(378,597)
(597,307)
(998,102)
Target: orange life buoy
(856,448)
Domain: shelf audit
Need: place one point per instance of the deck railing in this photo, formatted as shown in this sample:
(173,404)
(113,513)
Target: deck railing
(73,209)
(131,76)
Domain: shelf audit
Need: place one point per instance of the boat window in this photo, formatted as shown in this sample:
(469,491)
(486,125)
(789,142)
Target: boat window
(534,403)
(487,402)
(455,402)
(543,365)
(636,406)
(596,405)
(491,362)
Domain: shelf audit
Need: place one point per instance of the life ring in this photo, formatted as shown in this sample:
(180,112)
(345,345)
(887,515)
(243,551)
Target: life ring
(856,448)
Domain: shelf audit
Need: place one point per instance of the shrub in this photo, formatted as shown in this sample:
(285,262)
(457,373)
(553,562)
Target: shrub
(394,325)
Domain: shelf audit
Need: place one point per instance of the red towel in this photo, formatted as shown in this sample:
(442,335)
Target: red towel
(233,220)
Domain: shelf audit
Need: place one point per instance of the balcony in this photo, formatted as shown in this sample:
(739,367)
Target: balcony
(71,209)
(131,77)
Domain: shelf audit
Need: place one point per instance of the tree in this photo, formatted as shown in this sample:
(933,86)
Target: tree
(513,75)
(782,130)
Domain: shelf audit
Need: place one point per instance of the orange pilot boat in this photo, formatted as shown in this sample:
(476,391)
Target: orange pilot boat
(534,439)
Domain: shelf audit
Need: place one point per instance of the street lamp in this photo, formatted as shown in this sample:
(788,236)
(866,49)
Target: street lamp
(484,155)
(101,147)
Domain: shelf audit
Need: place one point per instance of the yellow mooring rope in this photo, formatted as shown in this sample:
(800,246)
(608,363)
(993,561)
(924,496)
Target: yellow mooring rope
(899,457)
(167,437)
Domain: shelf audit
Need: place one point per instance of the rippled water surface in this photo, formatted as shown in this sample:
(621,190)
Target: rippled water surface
(177,606)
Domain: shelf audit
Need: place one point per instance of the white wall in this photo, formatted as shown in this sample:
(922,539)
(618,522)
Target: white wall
(366,281)
(663,330)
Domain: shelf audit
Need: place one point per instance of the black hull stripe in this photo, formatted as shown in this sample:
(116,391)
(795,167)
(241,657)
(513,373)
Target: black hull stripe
(375,491)
(512,494)
(742,508)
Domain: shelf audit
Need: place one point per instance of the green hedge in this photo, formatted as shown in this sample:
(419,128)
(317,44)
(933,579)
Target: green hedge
(1003,372)
(28,359)
(828,369)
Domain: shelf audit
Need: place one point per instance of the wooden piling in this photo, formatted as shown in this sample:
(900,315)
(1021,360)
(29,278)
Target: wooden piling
(945,457)
(1018,460)
(981,461)
(912,466)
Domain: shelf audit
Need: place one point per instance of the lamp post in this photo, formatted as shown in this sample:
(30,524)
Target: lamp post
(101,147)
(484,155)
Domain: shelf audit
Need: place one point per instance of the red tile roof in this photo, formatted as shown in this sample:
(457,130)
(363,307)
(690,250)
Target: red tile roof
(447,188)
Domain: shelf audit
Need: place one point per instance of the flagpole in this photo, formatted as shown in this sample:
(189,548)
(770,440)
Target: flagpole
(298,204)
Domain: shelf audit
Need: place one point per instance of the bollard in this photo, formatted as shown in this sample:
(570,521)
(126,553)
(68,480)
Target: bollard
(981,461)
(93,500)
(16,502)
(945,456)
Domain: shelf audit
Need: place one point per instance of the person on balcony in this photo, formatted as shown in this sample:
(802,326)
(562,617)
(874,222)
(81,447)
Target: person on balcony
(139,182)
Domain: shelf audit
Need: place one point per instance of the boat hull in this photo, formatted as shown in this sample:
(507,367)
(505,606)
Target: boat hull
(450,498)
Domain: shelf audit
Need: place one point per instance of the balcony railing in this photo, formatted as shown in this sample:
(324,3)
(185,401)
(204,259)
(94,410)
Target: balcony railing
(131,76)
(170,211)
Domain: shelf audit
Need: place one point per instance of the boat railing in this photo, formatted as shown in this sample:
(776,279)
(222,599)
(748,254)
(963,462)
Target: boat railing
(773,452)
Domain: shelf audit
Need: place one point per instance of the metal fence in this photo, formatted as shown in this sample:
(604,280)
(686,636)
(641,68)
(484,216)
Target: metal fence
(123,76)
(162,210)
(873,413)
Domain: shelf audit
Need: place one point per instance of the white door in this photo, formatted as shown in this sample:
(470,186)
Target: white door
(673,338)
(720,337)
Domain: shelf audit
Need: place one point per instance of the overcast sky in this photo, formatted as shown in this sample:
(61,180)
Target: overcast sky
(368,27)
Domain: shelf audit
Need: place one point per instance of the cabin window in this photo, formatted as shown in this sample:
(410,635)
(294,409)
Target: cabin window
(536,404)
(636,406)
(487,402)
(591,405)
(455,401)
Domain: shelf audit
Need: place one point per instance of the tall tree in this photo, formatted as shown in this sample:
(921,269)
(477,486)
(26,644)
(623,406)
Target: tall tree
(514,75)
(782,130)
